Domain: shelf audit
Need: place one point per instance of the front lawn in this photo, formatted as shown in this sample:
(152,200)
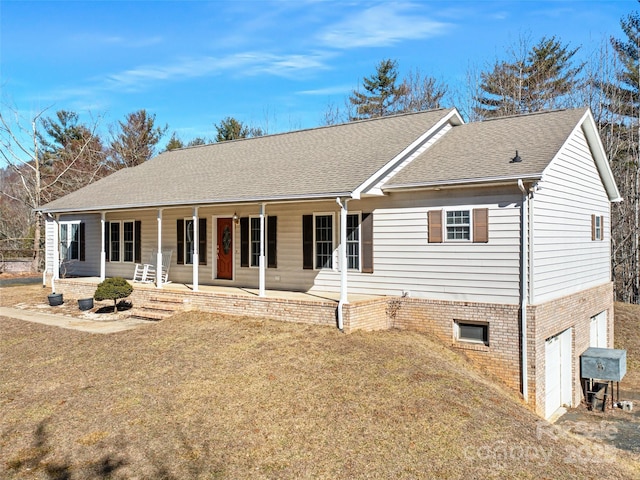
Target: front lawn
(205,396)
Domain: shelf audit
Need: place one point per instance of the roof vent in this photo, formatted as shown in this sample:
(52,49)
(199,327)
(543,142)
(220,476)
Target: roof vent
(516,159)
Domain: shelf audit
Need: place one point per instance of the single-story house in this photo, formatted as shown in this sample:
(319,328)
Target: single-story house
(492,235)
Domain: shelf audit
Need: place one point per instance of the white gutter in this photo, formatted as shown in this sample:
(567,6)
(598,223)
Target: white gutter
(343,261)
(524,217)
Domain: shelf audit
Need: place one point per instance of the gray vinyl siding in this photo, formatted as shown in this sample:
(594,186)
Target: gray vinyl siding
(148,241)
(90,267)
(564,258)
(404,261)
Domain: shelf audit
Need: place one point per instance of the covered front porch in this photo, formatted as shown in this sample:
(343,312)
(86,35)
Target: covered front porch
(362,312)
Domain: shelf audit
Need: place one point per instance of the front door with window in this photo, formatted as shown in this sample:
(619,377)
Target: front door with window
(225,249)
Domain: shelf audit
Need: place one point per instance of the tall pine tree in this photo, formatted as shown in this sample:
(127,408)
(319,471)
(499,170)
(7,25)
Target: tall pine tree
(543,79)
(381,92)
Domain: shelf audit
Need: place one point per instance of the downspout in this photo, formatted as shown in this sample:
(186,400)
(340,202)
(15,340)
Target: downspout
(261,258)
(524,216)
(343,261)
(103,253)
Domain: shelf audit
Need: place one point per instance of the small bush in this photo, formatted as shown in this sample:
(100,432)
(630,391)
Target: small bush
(113,289)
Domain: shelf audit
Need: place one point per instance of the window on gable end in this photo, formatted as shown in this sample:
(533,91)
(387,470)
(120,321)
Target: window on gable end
(597,227)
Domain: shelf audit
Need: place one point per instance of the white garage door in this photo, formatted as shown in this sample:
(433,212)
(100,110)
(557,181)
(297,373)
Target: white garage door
(557,372)
(598,333)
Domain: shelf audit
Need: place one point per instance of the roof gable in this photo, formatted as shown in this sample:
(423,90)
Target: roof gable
(483,151)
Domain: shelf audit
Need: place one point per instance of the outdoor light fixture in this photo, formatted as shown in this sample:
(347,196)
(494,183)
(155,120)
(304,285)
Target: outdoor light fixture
(516,159)
(236,218)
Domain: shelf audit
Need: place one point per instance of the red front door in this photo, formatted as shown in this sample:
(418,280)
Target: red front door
(225,249)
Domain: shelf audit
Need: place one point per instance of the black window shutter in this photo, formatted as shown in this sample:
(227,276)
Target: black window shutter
(106,240)
(202,240)
(82,241)
(244,242)
(367,242)
(272,237)
(180,241)
(137,248)
(307,242)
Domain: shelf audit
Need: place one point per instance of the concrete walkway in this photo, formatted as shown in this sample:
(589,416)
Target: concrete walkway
(72,323)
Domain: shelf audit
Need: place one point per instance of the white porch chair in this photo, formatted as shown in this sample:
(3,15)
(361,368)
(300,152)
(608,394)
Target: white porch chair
(141,271)
(150,274)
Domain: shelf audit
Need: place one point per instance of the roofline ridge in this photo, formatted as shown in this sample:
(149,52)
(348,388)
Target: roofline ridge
(530,114)
(309,129)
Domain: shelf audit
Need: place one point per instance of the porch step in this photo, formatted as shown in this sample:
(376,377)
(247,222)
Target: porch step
(158,308)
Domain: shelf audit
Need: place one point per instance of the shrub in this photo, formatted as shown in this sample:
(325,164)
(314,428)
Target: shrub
(113,289)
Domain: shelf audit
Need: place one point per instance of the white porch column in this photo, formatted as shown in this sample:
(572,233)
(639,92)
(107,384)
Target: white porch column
(55,275)
(103,253)
(261,263)
(196,248)
(159,253)
(343,260)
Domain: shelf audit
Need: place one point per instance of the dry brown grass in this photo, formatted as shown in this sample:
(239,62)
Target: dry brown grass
(206,396)
(627,337)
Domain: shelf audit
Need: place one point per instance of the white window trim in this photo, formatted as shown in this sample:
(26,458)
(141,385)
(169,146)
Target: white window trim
(359,228)
(266,241)
(121,242)
(334,260)
(598,227)
(445,225)
(184,239)
(458,338)
(68,240)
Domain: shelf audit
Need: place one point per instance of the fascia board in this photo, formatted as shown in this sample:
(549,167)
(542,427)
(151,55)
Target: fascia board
(375,181)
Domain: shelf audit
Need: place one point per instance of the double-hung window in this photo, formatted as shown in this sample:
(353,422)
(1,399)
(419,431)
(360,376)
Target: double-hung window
(250,241)
(458,225)
(318,241)
(114,241)
(186,241)
(255,241)
(597,227)
(70,240)
(123,241)
(353,241)
(323,241)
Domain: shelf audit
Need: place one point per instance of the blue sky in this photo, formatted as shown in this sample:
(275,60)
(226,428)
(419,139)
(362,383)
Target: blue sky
(273,64)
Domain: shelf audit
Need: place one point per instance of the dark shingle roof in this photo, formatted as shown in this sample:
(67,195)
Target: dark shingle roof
(481,151)
(318,162)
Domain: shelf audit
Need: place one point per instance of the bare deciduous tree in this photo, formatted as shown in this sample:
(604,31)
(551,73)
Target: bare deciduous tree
(42,168)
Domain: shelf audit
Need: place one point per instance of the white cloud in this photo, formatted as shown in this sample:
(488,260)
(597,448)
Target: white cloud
(335,90)
(247,63)
(379,26)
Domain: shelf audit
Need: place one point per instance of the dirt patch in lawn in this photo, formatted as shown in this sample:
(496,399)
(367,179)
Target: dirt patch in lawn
(34,297)
(208,396)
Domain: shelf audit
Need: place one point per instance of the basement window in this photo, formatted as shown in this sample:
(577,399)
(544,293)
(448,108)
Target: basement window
(472,332)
